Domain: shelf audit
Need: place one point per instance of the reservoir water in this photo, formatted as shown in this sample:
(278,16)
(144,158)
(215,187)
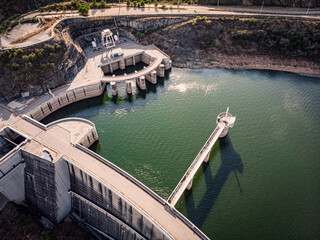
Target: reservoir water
(262,181)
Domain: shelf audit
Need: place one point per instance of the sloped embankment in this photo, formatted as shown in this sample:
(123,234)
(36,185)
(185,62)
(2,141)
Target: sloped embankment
(267,43)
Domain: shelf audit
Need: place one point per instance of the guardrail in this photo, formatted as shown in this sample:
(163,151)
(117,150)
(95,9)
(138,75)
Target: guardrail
(34,122)
(70,119)
(146,189)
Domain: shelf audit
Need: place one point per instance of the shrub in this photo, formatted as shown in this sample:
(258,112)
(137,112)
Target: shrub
(64,7)
(15,23)
(32,56)
(15,66)
(20,51)
(217,46)
(128,3)
(40,55)
(6,53)
(94,4)
(103,4)
(57,47)
(41,9)
(48,48)
(252,21)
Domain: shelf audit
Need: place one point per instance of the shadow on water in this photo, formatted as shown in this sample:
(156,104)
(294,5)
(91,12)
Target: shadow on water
(231,163)
(96,147)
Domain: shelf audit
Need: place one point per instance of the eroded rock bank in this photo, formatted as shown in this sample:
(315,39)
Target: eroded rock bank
(266,43)
(284,44)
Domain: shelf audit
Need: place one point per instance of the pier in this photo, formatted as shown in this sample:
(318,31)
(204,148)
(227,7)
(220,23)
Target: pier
(224,121)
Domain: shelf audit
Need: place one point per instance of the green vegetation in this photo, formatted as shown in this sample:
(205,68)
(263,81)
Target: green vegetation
(32,64)
(83,9)
(29,20)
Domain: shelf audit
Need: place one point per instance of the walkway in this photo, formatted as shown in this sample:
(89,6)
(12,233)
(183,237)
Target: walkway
(203,156)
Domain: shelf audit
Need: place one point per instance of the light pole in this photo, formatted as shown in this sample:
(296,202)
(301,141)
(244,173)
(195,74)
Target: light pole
(218,3)
(308,9)
(261,7)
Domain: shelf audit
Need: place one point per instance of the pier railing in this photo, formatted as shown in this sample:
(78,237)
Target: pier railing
(186,178)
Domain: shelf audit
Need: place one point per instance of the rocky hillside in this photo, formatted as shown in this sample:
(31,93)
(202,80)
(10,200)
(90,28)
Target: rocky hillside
(38,68)
(265,43)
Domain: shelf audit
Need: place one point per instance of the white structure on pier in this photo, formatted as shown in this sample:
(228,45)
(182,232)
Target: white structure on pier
(227,121)
(224,121)
(107,39)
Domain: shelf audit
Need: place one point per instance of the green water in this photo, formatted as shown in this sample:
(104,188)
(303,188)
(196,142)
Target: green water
(262,181)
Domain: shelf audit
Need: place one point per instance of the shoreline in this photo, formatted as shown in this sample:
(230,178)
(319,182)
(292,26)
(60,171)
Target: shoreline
(299,71)
(253,62)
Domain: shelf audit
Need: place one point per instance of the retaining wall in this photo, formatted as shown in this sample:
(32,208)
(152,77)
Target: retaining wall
(64,99)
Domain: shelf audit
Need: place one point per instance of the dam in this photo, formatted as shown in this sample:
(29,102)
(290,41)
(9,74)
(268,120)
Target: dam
(244,185)
(60,174)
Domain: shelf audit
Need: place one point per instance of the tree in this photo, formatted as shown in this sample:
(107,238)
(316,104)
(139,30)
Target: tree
(83,9)
(19,51)
(15,66)
(25,58)
(103,4)
(94,4)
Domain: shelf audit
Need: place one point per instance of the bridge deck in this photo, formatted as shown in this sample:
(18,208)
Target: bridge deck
(188,176)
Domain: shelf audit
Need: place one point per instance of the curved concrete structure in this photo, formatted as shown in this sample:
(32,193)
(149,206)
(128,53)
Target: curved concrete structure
(107,198)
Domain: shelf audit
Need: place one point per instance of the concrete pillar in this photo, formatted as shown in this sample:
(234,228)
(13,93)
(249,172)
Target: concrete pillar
(129,86)
(141,82)
(133,60)
(160,70)
(152,77)
(224,132)
(122,64)
(206,159)
(190,184)
(114,88)
(167,63)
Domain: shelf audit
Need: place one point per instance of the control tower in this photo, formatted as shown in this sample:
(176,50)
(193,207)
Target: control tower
(226,120)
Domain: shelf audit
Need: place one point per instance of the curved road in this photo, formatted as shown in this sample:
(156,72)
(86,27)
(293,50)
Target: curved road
(184,10)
